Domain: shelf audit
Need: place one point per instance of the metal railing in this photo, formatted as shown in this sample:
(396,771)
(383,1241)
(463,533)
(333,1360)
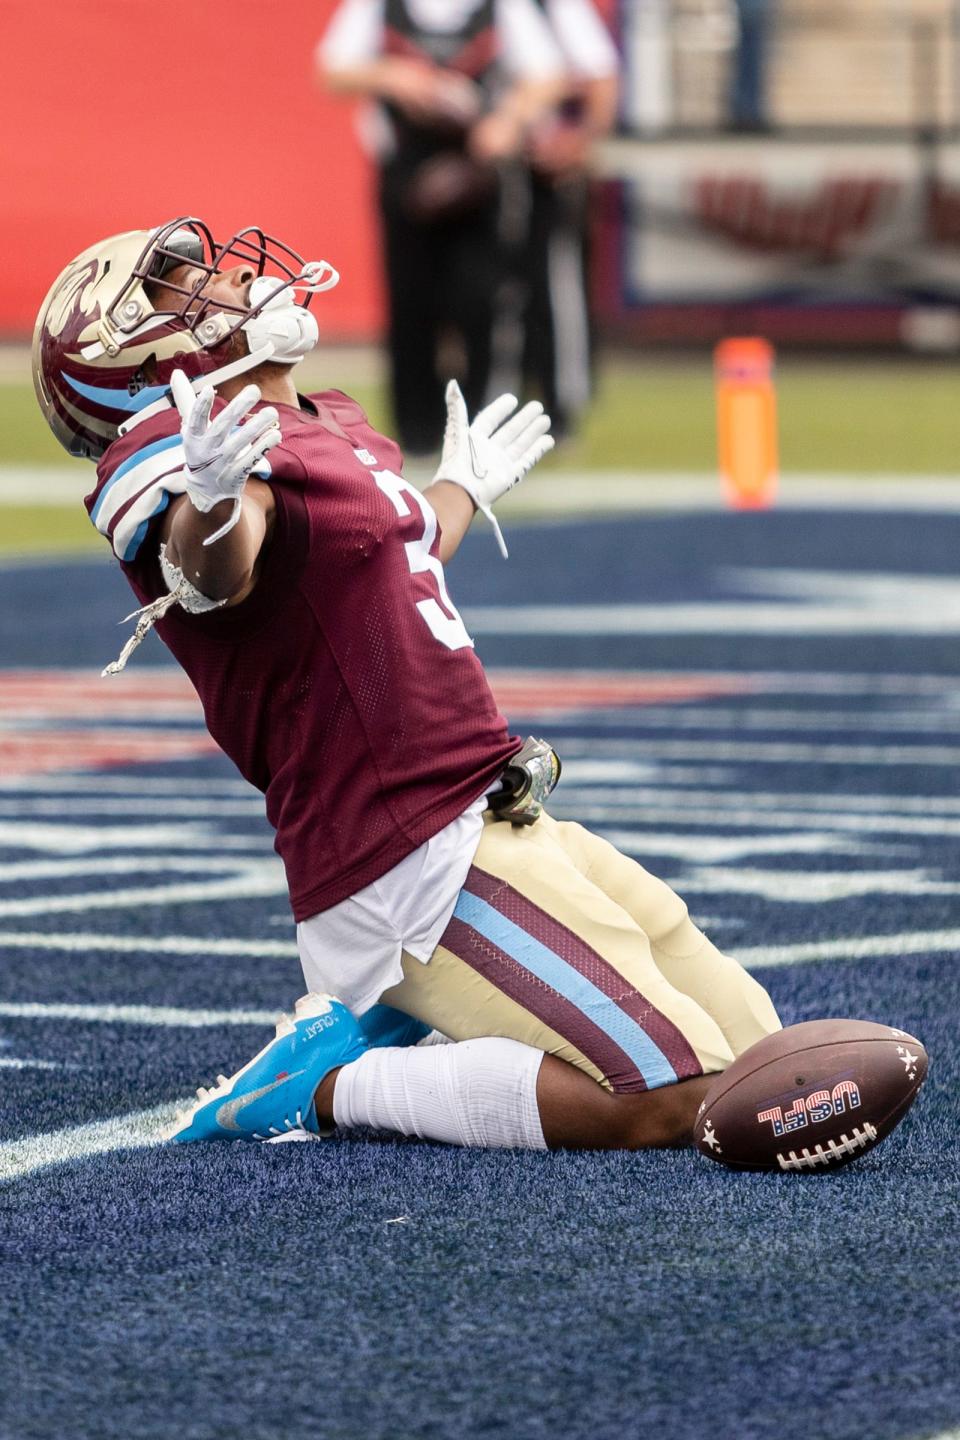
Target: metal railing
(792,66)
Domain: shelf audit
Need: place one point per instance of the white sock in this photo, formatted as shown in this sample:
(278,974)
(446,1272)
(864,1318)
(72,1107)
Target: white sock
(477,1092)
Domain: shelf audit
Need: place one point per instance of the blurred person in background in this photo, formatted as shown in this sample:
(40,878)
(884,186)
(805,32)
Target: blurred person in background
(748,84)
(558,344)
(458,84)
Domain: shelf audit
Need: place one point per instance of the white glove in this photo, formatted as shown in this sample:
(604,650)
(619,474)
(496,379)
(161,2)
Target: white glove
(490,456)
(220,454)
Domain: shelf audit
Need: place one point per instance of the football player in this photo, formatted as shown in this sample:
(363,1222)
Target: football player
(298,579)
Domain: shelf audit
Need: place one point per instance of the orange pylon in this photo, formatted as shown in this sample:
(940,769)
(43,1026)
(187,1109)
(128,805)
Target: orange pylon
(746,421)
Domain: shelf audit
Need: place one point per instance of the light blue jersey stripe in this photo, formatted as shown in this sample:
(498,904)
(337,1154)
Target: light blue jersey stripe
(167,443)
(117,399)
(556,972)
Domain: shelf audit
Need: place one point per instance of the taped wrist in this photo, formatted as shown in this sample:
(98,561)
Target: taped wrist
(189,598)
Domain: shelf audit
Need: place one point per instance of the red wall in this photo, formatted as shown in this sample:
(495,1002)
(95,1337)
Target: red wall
(120,114)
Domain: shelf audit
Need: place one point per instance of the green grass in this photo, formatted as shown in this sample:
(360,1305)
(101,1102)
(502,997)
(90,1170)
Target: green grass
(878,416)
(25,438)
(899,417)
(39,529)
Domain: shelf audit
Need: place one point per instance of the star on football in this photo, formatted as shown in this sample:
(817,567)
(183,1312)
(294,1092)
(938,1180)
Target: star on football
(709,1137)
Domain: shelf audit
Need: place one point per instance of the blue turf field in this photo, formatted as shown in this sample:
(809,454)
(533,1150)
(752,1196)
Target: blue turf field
(765,709)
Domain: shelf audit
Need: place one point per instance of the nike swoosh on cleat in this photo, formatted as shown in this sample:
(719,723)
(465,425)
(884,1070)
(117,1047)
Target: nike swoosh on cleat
(226,1115)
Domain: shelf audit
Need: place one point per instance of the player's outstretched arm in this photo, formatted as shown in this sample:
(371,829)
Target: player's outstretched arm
(228,570)
(491,455)
(215,533)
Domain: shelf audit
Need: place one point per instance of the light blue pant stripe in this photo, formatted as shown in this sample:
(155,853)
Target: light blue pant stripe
(556,972)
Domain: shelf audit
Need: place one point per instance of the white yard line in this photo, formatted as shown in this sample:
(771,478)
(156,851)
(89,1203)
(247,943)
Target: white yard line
(106,784)
(747,751)
(809,887)
(855,947)
(263,881)
(171,1015)
(142,865)
(720,813)
(80,942)
(702,849)
(938,721)
(602,780)
(134,1131)
(553,494)
(243,808)
(558,492)
(95,839)
(737,617)
(8,1063)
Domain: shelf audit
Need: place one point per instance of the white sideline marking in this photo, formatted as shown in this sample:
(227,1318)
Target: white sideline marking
(814,602)
(8,1063)
(580,492)
(114,865)
(587,772)
(147,945)
(135,1015)
(266,879)
(717,814)
(709,849)
(587,492)
(85,839)
(944,720)
(731,618)
(762,751)
(252,806)
(810,887)
(855,947)
(63,783)
(601,779)
(135,1131)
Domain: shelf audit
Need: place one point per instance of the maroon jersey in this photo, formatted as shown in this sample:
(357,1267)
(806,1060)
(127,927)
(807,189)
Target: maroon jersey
(345,686)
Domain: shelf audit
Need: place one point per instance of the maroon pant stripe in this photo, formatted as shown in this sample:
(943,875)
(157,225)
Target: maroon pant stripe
(576,952)
(511,979)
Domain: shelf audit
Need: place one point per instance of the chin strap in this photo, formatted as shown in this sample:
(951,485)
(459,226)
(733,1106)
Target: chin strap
(217,377)
(281,331)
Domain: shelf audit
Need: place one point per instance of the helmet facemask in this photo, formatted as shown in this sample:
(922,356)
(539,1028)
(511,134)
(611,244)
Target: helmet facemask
(103,354)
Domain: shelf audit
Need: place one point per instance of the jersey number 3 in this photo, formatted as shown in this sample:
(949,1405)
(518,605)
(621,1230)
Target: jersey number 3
(442,617)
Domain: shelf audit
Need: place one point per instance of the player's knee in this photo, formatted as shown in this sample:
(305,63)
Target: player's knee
(674,935)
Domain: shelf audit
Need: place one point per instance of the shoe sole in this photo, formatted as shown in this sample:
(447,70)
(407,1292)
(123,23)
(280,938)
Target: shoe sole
(306,1008)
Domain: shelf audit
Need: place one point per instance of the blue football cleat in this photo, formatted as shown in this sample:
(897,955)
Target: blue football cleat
(272,1096)
(383,1025)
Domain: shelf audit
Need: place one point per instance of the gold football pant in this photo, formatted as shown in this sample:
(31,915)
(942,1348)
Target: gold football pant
(561,942)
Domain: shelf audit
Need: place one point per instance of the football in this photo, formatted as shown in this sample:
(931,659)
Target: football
(811,1097)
